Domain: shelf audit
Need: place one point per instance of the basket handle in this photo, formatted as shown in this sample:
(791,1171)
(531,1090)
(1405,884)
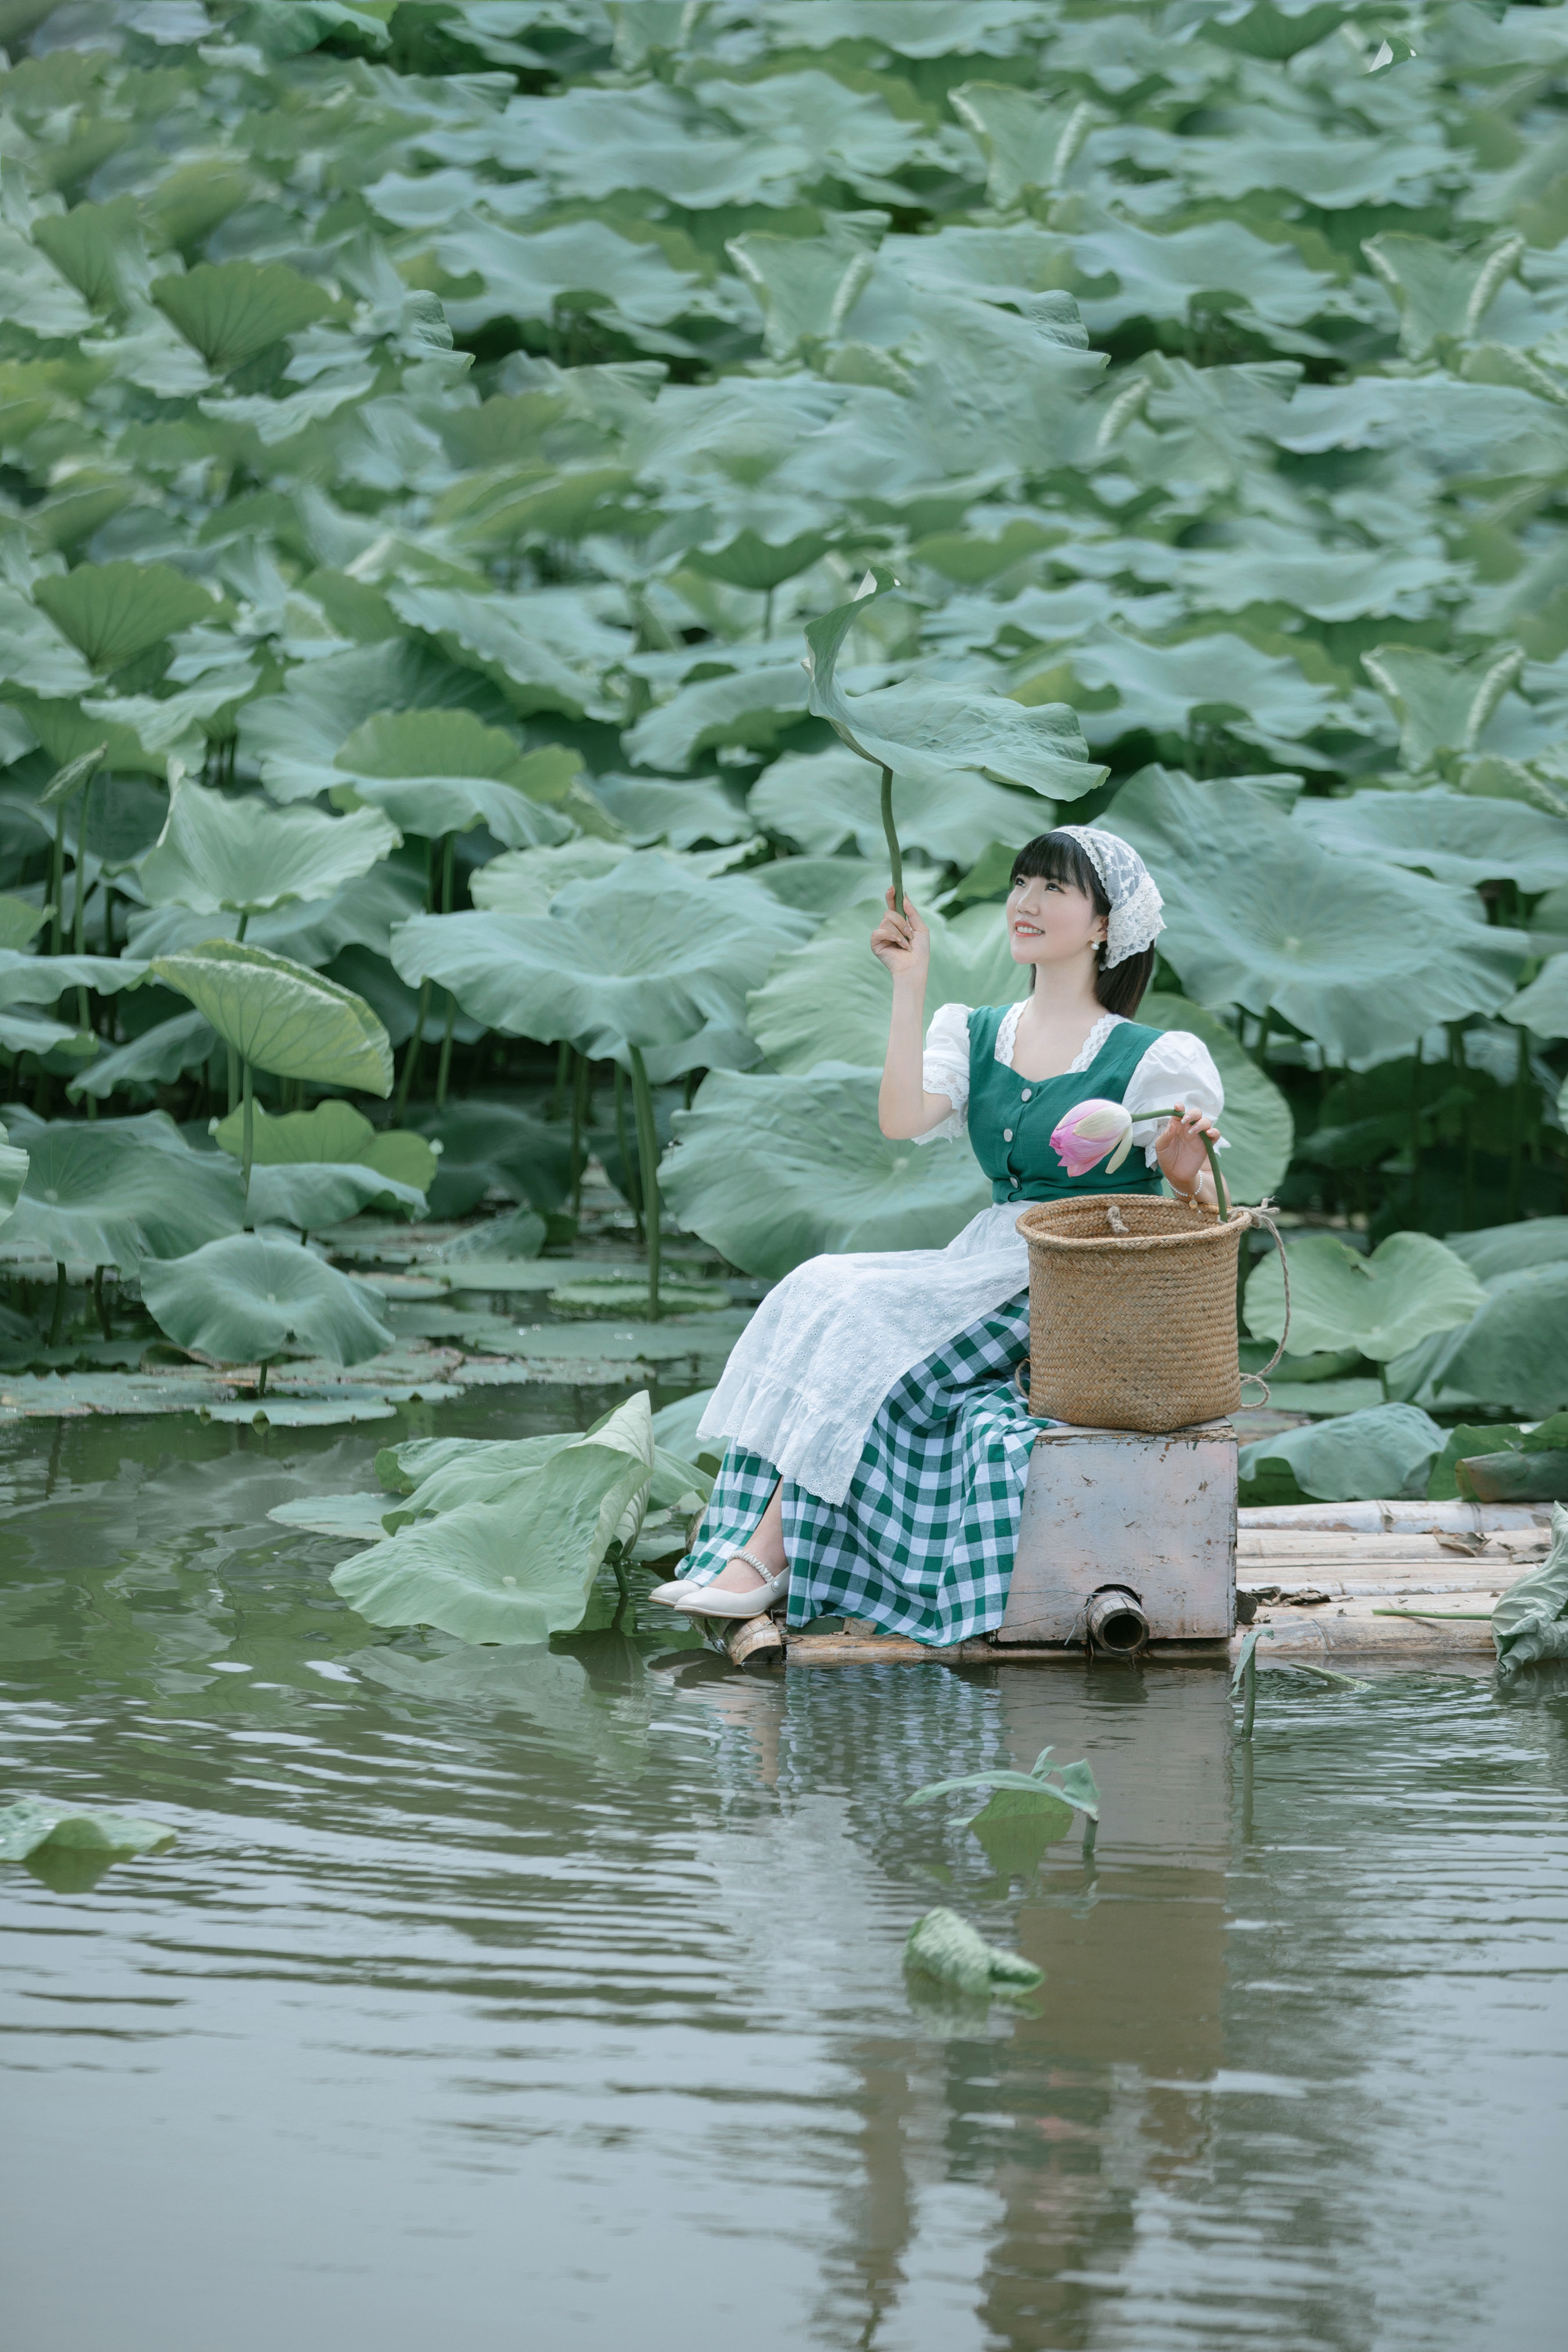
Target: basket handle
(1260,1216)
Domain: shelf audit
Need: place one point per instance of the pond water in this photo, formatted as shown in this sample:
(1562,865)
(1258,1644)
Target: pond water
(555,1998)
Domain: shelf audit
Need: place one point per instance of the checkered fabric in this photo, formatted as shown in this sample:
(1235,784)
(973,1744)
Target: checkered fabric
(923,1542)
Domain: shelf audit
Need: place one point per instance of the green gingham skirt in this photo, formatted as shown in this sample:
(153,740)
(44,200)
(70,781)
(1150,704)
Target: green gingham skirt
(923,1542)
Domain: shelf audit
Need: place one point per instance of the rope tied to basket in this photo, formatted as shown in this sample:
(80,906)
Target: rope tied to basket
(1260,1216)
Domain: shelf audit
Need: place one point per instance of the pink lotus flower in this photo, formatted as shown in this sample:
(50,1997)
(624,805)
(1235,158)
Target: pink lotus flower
(1090,1130)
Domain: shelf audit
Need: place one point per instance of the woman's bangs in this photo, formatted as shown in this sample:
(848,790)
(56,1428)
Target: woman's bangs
(1057,857)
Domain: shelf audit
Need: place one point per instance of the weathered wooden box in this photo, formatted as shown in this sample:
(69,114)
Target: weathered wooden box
(1109,1510)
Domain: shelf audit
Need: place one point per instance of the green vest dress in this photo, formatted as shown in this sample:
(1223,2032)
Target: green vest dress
(1011,1118)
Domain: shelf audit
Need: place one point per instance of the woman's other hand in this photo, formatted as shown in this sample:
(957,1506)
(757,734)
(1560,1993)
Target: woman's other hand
(903,943)
(1179,1149)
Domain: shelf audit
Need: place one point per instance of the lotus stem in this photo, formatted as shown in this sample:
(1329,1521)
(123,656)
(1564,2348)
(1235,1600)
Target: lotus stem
(104,1325)
(57,1320)
(412,1054)
(58,881)
(1248,1693)
(247,1141)
(630,1174)
(78,912)
(647,1154)
(579,1121)
(444,1068)
(1516,1140)
(1221,1195)
(563,1074)
(1416,1136)
(895,854)
(261,1380)
(233,1080)
(767,613)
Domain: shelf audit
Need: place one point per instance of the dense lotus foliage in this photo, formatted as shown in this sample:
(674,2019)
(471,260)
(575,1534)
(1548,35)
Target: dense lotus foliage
(431,432)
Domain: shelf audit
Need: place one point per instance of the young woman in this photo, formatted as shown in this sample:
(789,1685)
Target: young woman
(877,1446)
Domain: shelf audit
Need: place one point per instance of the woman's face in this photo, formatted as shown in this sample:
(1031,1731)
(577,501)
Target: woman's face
(1051,922)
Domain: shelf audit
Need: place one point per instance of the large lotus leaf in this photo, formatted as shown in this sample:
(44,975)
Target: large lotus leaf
(112,611)
(1442,704)
(35,653)
(1340,583)
(1512,1356)
(1453,837)
(219,851)
(281,1017)
(437,771)
(524,276)
(1027,143)
(39,980)
(927,731)
(1506,1249)
(1410,1286)
(99,247)
(524,881)
(362,914)
(771,1170)
(805,286)
(681,814)
(231,311)
(1365,958)
(34,295)
(519,1568)
(648,956)
(245,1299)
(1259,1132)
(496,1146)
(156,1058)
(747,709)
(1260,151)
(1216,266)
(825,885)
(1387,1451)
(545,648)
(120,1191)
(312,1194)
(831,999)
(1543,1005)
(1262,698)
(334,1130)
(826,801)
(296,735)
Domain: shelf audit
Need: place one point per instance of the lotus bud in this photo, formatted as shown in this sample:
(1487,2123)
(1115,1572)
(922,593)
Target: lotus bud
(1088,1131)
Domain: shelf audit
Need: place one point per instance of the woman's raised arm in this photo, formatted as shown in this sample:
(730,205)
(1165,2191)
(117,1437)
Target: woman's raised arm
(903,1107)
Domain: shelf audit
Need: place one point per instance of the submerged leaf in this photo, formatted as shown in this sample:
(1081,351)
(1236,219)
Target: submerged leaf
(31,1824)
(943,1946)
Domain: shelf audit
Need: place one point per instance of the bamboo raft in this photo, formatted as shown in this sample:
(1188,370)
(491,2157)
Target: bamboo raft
(1335,1583)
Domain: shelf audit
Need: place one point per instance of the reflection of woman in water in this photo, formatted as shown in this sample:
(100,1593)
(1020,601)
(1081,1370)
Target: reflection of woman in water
(877,1449)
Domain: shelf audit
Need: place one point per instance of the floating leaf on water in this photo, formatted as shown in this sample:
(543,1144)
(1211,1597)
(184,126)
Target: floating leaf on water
(32,1823)
(943,1946)
(353,1519)
(302,1412)
(606,1296)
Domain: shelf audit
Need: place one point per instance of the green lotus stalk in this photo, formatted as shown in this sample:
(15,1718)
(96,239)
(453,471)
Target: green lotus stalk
(1097,1131)
(444,1068)
(57,1319)
(248,1148)
(895,855)
(630,1174)
(648,1155)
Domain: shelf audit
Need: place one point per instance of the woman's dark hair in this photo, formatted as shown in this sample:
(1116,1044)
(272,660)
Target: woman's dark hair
(1057,857)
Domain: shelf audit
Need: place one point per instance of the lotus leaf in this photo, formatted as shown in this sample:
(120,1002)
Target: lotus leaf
(215,852)
(1442,705)
(1261,698)
(519,1568)
(928,732)
(230,311)
(827,801)
(112,611)
(99,247)
(13,1165)
(1512,1356)
(831,1001)
(280,1017)
(19,923)
(159,1056)
(1449,836)
(525,881)
(1505,1249)
(296,735)
(546,650)
(30,1824)
(498,1146)
(681,814)
(333,1131)
(750,709)
(248,1299)
(1365,959)
(1385,1451)
(943,1946)
(1528,1623)
(1439,292)
(122,1191)
(436,771)
(1543,1005)
(774,1170)
(312,1194)
(1410,1286)
(37,654)
(39,980)
(646,957)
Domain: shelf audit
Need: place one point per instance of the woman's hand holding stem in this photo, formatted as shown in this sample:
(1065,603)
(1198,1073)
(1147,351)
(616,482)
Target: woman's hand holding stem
(902,943)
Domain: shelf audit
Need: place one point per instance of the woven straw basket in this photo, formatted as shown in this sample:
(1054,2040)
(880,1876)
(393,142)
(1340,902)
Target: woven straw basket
(1132,1311)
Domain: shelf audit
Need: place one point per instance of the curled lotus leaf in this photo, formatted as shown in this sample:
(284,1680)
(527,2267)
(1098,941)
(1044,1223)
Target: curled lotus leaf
(926,732)
(250,1296)
(518,1561)
(281,1017)
(218,851)
(1450,835)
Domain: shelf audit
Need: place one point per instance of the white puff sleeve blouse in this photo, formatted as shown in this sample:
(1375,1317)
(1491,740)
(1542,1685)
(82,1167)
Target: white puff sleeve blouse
(1177,1067)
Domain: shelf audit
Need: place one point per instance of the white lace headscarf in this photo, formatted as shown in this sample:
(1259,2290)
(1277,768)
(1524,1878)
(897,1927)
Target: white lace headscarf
(1136,921)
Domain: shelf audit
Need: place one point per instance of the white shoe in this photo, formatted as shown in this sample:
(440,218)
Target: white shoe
(702,1601)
